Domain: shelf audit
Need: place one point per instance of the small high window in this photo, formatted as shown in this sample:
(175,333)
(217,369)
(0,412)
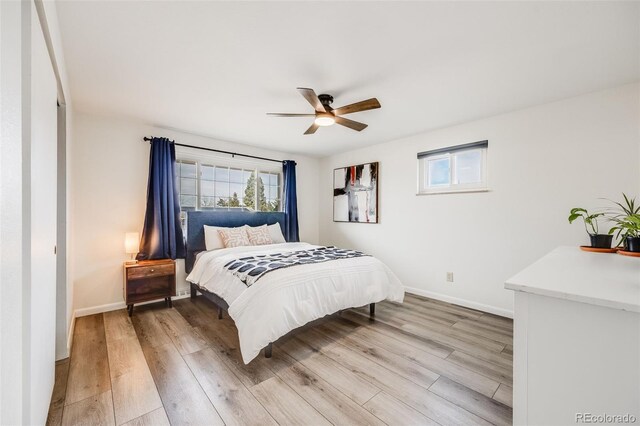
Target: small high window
(461,168)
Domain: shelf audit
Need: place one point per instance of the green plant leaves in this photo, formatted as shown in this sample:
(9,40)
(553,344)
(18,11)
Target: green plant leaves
(573,217)
(626,219)
(588,219)
(625,216)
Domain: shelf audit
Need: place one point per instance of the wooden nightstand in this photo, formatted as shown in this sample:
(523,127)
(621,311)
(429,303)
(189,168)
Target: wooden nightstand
(149,280)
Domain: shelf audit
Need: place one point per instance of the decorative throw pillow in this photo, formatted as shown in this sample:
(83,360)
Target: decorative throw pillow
(259,235)
(276,234)
(234,237)
(212,240)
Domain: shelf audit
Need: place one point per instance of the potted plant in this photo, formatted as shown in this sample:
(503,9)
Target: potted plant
(591,226)
(627,223)
(627,231)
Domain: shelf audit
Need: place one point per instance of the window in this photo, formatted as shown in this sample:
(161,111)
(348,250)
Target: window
(187,184)
(454,169)
(270,201)
(206,186)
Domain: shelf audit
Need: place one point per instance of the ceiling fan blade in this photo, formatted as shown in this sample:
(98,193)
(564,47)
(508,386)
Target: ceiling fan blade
(358,106)
(351,124)
(312,98)
(284,114)
(311,130)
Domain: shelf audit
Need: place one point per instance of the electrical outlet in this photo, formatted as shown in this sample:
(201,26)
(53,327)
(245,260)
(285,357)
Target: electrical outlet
(449,277)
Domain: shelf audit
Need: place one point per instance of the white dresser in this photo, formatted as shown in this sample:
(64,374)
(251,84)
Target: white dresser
(576,339)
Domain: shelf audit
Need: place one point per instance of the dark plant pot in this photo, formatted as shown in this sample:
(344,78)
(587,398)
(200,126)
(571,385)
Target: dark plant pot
(601,240)
(633,244)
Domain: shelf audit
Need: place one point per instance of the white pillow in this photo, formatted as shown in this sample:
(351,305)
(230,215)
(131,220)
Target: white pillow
(276,233)
(259,235)
(212,240)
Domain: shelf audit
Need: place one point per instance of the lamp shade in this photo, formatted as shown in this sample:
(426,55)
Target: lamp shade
(131,242)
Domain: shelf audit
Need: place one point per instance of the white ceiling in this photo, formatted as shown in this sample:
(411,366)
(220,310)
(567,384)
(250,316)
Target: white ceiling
(216,68)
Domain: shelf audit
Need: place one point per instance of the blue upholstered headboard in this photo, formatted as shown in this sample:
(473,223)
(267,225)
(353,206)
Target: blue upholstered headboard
(225,218)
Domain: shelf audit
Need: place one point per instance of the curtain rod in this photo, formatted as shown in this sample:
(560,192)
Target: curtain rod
(233,154)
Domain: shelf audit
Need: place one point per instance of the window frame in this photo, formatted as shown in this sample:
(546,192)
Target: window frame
(452,153)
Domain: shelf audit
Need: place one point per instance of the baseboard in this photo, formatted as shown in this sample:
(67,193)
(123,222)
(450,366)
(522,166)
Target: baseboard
(72,327)
(83,312)
(417,291)
(461,302)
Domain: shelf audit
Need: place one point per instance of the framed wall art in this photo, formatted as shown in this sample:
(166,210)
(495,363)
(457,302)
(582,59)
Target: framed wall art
(355,193)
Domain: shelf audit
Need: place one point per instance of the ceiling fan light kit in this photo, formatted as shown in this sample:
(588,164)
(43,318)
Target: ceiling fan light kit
(325,115)
(325,119)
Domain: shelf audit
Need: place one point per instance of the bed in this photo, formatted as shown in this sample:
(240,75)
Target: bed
(283,299)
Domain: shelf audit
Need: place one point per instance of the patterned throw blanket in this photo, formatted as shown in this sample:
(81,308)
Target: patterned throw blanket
(250,269)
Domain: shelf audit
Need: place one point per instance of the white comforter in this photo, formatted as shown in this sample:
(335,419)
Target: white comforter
(288,298)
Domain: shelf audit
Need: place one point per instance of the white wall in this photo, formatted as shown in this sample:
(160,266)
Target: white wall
(15,232)
(109,166)
(542,161)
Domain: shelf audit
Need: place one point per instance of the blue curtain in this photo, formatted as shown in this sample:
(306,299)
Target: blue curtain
(290,202)
(162,233)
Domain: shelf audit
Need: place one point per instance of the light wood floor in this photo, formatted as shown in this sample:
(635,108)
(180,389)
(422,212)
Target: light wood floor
(420,363)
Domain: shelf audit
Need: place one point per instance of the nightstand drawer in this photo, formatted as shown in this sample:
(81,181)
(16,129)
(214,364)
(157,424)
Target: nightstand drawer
(149,288)
(150,271)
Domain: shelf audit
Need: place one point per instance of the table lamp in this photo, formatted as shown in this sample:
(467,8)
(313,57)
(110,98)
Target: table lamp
(131,245)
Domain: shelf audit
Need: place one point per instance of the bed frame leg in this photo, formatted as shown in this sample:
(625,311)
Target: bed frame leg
(219,312)
(194,292)
(268,350)
(372,310)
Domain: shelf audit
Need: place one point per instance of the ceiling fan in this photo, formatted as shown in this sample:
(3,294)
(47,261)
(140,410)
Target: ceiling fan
(327,116)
